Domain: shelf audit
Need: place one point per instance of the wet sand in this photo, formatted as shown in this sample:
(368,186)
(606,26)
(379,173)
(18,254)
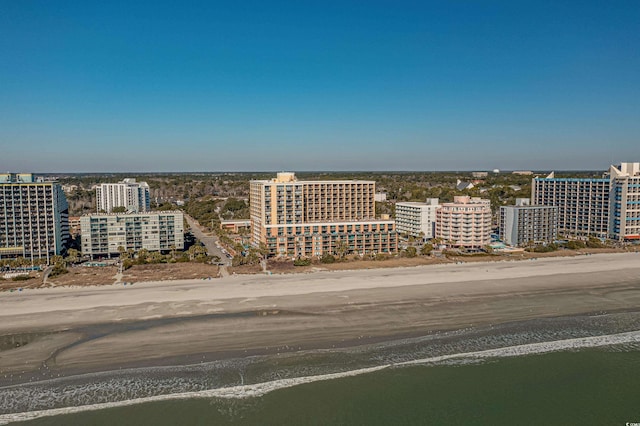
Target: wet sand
(104,328)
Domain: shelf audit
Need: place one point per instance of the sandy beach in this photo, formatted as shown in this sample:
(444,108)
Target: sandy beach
(67,330)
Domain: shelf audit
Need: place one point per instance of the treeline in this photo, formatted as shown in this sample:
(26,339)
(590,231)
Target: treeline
(501,188)
(209,211)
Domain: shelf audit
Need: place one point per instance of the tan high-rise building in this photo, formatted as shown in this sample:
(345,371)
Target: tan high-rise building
(313,218)
(464,223)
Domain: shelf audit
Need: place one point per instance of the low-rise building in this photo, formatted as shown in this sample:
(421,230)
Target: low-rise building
(524,224)
(461,186)
(417,219)
(465,223)
(235,225)
(105,234)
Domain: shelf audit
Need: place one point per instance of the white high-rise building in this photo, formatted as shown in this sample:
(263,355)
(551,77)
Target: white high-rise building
(624,204)
(523,223)
(606,207)
(34,217)
(132,195)
(417,219)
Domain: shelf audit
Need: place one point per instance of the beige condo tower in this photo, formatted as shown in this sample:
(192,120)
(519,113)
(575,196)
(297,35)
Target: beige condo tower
(314,218)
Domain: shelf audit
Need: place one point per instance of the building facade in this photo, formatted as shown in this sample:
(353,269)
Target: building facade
(524,224)
(624,205)
(313,218)
(465,223)
(606,207)
(106,234)
(34,217)
(417,219)
(132,195)
(583,204)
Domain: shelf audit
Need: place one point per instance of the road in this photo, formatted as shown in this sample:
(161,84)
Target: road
(209,241)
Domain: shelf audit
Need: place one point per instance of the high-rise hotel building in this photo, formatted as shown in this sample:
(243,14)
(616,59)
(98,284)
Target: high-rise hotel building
(624,205)
(583,204)
(417,219)
(465,223)
(132,195)
(524,224)
(34,217)
(313,218)
(607,207)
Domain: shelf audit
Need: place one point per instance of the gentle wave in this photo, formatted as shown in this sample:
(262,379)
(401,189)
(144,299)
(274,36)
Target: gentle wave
(260,389)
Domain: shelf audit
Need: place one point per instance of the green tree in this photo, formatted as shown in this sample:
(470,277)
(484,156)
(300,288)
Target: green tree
(341,249)
(119,209)
(410,251)
(142,256)
(426,249)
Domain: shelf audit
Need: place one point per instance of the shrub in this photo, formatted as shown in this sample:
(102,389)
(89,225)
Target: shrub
(301,261)
(58,269)
(575,245)
(328,258)
(410,252)
(594,242)
(382,256)
(543,249)
(21,278)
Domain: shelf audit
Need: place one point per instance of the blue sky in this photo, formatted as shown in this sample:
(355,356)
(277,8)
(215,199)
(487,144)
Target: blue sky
(330,85)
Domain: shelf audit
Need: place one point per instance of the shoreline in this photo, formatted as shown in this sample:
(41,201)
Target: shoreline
(593,335)
(104,328)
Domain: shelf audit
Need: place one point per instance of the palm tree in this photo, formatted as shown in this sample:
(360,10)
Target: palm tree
(73,255)
(341,248)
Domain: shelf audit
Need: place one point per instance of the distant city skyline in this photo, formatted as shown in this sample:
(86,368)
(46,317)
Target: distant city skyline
(333,86)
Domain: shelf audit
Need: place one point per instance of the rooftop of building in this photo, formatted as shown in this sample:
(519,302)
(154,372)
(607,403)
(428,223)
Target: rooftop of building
(22,178)
(152,213)
(625,170)
(126,181)
(429,202)
(465,199)
(621,170)
(289,177)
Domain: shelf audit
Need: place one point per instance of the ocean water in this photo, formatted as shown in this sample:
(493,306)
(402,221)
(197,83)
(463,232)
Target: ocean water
(576,370)
(590,387)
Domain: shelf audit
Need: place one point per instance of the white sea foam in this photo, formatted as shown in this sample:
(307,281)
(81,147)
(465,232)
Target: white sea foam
(259,389)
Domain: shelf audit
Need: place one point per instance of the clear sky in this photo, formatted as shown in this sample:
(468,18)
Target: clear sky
(326,85)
